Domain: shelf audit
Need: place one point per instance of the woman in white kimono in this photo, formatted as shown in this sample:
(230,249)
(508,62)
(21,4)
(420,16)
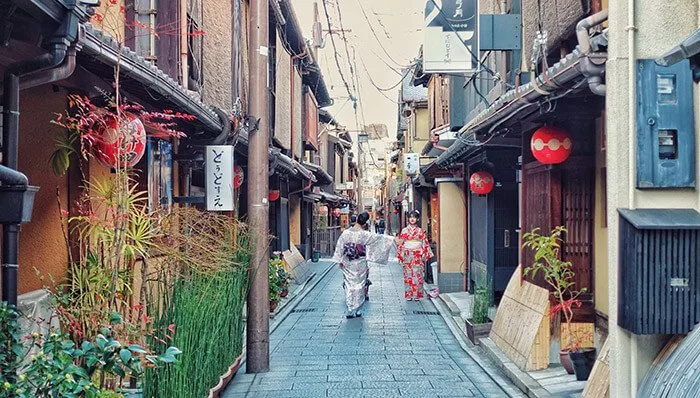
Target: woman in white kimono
(354,249)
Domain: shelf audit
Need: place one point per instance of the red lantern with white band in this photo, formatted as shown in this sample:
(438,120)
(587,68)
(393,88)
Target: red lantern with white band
(121,146)
(551,145)
(273,195)
(238,176)
(481,182)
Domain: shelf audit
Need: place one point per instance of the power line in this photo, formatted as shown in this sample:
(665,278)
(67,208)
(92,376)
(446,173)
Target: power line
(408,70)
(374,33)
(335,51)
(474,57)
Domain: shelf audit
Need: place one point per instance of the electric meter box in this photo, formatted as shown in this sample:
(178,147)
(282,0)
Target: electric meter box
(665,125)
(411,163)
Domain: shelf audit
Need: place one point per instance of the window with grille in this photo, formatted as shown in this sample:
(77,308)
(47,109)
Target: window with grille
(194,45)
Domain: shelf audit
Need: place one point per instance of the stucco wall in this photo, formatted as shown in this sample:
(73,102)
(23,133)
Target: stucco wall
(600,233)
(452,227)
(283,115)
(558,17)
(42,246)
(660,24)
(217,23)
(295,220)
(297,121)
(422,125)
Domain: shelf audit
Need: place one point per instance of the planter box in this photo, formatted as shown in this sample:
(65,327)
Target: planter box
(477,331)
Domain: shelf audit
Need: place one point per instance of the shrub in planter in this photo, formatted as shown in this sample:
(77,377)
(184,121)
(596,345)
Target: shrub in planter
(479,325)
(61,368)
(559,275)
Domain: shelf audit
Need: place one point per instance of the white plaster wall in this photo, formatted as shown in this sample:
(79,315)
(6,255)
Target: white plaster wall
(660,25)
(216,65)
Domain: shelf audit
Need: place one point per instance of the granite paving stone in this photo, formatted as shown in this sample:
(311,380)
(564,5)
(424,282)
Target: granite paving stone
(391,351)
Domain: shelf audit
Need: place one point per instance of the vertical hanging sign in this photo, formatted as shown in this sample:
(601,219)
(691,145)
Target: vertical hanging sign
(451,36)
(219,177)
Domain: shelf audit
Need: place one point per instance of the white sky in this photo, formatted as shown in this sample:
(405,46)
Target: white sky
(399,26)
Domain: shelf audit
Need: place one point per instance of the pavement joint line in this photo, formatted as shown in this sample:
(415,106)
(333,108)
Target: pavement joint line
(460,340)
(282,315)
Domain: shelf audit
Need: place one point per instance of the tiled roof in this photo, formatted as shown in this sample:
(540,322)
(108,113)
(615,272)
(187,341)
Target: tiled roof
(146,76)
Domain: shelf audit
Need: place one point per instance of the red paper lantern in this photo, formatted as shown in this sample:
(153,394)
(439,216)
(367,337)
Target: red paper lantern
(551,145)
(336,212)
(238,176)
(273,195)
(123,146)
(481,182)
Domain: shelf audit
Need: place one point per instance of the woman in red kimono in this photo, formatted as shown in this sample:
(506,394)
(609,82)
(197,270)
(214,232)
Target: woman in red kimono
(414,250)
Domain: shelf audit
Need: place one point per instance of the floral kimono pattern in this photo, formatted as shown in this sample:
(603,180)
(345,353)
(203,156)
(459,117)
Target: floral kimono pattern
(354,249)
(413,252)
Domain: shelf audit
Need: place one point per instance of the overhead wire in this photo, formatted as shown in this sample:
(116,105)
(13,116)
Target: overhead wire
(335,50)
(376,37)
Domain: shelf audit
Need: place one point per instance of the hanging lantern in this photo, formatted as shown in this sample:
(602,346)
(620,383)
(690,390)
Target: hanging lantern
(551,145)
(336,212)
(123,146)
(481,182)
(273,195)
(237,176)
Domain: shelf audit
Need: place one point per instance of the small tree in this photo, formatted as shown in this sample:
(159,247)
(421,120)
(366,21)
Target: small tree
(558,274)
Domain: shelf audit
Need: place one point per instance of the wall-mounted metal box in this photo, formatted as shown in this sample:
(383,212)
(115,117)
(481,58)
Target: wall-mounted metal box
(665,125)
(659,254)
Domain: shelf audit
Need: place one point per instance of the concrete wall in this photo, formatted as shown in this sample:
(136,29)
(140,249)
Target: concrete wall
(452,243)
(42,246)
(660,25)
(217,57)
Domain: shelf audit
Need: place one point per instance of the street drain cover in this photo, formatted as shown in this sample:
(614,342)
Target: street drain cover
(426,312)
(304,310)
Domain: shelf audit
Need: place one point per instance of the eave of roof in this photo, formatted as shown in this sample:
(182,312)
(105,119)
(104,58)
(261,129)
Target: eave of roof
(105,49)
(313,77)
(515,100)
(322,176)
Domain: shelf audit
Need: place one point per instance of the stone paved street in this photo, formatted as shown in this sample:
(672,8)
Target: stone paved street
(396,348)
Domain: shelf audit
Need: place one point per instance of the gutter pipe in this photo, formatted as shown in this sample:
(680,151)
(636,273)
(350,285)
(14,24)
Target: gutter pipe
(592,65)
(41,70)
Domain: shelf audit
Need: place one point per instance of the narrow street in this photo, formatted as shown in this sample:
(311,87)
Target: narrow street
(396,348)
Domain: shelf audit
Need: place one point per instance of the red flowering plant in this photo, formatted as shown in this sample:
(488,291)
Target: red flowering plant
(559,275)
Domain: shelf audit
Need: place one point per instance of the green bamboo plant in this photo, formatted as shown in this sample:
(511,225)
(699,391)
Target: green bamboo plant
(558,274)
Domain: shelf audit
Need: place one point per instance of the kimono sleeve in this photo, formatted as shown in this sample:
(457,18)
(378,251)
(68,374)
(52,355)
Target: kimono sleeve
(338,254)
(427,251)
(379,247)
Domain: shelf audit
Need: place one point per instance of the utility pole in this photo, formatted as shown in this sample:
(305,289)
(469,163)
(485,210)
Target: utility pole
(258,332)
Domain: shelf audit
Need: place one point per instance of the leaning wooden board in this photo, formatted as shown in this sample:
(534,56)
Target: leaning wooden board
(521,327)
(598,384)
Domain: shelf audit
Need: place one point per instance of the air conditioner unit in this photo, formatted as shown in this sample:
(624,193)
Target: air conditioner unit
(411,163)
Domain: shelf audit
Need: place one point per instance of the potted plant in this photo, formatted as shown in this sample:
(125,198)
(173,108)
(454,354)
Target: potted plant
(479,325)
(559,275)
(275,283)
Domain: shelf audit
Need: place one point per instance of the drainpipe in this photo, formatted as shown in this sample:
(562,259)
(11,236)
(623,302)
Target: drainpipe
(291,94)
(592,65)
(631,139)
(10,136)
(226,131)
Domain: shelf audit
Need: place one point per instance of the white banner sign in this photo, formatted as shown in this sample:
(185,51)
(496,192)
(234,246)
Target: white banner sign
(451,36)
(219,177)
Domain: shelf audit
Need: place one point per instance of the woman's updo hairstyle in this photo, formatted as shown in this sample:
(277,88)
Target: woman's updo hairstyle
(363,218)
